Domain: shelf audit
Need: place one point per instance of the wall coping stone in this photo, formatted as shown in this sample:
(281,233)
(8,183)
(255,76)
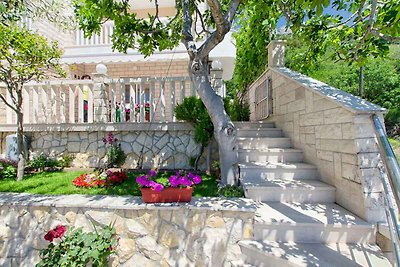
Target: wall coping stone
(348,101)
(124,202)
(95,127)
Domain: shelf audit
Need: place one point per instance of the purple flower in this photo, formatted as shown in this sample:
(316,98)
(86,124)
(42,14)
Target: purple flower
(158,187)
(196,179)
(174,181)
(152,183)
(142,180)
(152,173)
(185,181)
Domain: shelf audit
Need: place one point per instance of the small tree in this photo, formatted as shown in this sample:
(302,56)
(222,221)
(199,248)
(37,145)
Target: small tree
(24,56)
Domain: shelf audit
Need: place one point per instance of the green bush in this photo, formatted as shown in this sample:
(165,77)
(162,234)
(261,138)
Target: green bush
(231,191)
(8,169)
(78,248)
(44,162)
(65,161)
(8,172)
(237,110)
(192,110)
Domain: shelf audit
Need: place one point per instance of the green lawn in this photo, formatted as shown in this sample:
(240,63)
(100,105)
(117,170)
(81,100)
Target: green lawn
(395,143)
(60,183)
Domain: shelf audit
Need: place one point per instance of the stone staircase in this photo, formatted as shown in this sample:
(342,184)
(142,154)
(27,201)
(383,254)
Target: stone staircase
(297,221)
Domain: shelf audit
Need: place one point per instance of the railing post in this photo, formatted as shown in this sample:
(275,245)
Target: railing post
(276,53)
(100,99)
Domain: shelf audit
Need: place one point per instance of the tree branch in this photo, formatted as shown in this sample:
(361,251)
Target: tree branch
(8,104)
(223,25)
(187,37)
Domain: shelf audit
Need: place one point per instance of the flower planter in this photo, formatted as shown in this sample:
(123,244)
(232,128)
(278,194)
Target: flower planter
(169,194)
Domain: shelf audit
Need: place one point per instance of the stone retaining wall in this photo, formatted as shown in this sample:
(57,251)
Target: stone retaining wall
(164,145)
(204,232)
(335,132)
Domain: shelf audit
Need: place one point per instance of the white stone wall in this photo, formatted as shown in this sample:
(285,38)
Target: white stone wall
(202,233)
(335,132)
(168,146)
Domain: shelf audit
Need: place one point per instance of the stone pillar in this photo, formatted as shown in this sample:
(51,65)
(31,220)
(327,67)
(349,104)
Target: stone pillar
(100,99)
(216,77)
(276,53)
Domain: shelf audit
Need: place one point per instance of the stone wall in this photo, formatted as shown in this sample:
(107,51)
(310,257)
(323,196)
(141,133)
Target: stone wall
(204,232)
(167,145)
(335,132)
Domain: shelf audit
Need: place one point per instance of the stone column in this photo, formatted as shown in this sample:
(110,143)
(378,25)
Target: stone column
(276,53)
(100,99)
(216,77)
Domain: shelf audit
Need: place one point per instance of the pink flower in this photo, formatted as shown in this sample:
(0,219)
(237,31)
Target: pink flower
(152,173)
(196,179)
(158,187)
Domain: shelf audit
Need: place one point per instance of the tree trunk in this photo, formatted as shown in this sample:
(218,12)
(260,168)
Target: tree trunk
(224,130)
(20,146)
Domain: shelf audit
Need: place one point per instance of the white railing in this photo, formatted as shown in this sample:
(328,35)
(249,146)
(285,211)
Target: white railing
(103,38)
(140,99)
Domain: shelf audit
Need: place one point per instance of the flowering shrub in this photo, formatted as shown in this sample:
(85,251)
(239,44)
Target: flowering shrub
(115,155)
(99,180)
(138,106)
(76,248)
(180,180)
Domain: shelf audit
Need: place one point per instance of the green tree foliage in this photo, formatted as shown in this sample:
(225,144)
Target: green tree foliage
(24,56)
(193,111)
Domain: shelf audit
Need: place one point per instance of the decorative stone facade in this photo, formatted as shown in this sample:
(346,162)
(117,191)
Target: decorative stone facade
(204,232)
(167,145)
(335,132)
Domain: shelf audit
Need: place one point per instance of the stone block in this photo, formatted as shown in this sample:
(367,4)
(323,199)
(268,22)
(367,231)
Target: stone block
(126,249)
(371,180)
(325,155)
(367,145)
(338,115)
(329,131)
(171,236)
(307,129)
(297,105)
(321,103)
(315,118)
(343,146)
(350,172)
(73,147)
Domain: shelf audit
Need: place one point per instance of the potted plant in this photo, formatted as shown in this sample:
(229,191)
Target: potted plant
(178,188)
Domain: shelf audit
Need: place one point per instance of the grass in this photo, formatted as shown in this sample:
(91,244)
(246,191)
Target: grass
(395,143)
(60,183)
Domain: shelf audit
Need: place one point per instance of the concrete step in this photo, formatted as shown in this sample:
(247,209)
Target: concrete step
(263,142)
(267,132)
(271,155)
(263,254)
(255,125)
(310,223)
(272,171)
(306,191)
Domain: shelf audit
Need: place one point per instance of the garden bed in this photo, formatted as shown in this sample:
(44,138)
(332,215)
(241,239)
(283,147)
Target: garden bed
(60,183)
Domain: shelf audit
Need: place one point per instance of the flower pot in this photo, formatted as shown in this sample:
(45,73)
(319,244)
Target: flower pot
(147,116)
(169,194)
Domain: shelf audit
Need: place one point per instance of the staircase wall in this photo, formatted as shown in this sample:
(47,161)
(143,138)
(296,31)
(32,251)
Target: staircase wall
(335,132)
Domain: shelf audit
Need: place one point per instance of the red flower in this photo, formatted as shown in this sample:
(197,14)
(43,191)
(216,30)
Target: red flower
(49,236)
(60,231)
(57,232)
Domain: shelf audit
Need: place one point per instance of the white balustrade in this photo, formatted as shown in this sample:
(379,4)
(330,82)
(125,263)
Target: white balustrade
(72,101)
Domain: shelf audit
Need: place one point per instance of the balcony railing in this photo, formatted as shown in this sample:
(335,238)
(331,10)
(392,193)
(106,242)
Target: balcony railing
(139,99)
